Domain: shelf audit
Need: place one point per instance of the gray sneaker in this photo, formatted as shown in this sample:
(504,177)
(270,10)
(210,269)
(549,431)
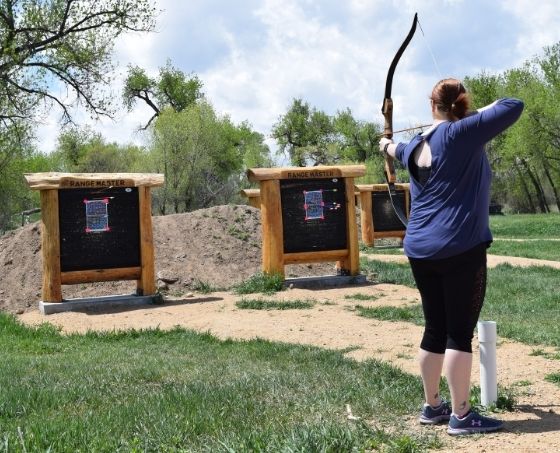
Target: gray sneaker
(473,423)
(433,415)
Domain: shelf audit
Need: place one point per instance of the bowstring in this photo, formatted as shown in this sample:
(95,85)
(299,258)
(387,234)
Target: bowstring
(430,49)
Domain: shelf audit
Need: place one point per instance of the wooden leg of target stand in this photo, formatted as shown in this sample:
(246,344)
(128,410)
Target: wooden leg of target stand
(146,286)
(366,218)
(351,264)
(50,243)
(272,229)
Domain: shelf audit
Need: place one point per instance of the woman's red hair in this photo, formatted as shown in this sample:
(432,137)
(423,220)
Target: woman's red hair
(450,97)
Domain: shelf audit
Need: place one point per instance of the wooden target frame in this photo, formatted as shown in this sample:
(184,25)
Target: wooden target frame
(368,193)
(56,189)
(273,183)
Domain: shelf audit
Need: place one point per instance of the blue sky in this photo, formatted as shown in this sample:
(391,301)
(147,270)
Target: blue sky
(255,56)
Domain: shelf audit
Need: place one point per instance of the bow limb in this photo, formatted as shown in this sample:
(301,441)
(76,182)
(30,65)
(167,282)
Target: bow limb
(387,109)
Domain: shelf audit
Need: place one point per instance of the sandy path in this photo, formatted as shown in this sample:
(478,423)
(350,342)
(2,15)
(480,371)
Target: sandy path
(493,260)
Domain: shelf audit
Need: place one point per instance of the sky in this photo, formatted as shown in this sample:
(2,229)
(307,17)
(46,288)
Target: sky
(255,56)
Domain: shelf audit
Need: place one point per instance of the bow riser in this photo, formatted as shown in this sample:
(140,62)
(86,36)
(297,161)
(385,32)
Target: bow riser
(387,111)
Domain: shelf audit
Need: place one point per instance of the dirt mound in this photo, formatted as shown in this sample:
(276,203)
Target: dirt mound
(218,246)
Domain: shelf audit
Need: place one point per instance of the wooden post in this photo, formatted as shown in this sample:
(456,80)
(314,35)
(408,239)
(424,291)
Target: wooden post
(351,264)
(366,218)
(146,285)
(50,242)
(272,229)
(253,197)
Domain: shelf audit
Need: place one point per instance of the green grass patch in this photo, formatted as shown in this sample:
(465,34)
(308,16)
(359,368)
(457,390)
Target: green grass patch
(361,296)
(203,287)
(183,391)
(260,283)
(382,272)
(410,314)
(525,302)
(553,377)
(381,250)
(547,355)
(536,226)
(540,249)
(261,304)
(505,400)
(238,233)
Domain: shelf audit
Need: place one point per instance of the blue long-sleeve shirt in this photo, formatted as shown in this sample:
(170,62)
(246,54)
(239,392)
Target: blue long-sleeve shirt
(449,214)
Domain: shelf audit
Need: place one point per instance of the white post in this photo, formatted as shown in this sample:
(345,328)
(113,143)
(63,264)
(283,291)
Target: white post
(488,380)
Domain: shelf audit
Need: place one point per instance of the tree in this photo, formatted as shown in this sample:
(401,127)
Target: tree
(358,140)
(15,196)
(525,158)
(203,157)
(173,88)
(82,150)
(54,53)
(311,137)
(307,135)
(48,43)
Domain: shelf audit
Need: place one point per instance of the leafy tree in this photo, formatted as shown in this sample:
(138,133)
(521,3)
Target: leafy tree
(172,88)
(311,137)
(54,53)
(48,43)
(15,197)
(307,135)
(548,124)
(359,140)
(203,157)
(85,151)
(525,158)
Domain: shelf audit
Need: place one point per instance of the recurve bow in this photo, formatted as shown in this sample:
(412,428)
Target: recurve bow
(387,111)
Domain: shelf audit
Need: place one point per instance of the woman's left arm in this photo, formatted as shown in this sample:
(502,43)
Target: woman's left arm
(387,147)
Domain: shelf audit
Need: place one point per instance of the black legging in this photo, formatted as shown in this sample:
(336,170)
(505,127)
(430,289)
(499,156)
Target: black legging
(452,291)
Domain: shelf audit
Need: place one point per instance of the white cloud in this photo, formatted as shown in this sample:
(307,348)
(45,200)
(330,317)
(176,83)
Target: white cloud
(539,25)
(299,56)
(255,56)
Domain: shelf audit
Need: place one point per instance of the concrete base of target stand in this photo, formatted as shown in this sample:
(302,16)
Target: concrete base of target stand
(48,308)
(325,281)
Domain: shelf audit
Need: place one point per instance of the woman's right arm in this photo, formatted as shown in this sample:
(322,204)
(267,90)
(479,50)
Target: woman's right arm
(489,121)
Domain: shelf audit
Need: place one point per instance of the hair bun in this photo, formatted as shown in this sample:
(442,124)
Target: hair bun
(450,97)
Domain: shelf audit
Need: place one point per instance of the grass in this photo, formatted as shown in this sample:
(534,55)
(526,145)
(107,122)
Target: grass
(182,391)
(541,249)
(260,283)
(262,304)
(382,272)
(547,355)
(203,287)
(505,401)
(525,302)
(553,377)
(238,233)
(542,232)
(410,314)
(530,226)
(361,296)
(381,250)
